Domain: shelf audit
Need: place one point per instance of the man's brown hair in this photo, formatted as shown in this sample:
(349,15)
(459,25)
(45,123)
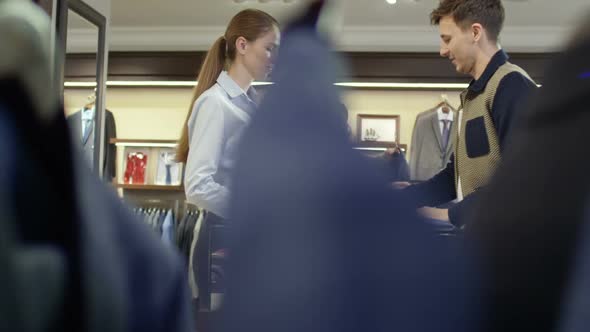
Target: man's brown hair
(488,13)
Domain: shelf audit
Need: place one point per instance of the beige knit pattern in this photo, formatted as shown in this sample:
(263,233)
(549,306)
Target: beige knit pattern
(476,172)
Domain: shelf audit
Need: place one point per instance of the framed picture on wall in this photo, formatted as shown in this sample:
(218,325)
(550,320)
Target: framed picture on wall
(377,130)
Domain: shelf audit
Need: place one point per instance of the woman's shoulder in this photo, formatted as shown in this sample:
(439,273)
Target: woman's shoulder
(210,103)
(213,95)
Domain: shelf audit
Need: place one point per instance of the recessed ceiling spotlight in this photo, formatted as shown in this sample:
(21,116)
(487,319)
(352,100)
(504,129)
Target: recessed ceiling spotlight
(391,2)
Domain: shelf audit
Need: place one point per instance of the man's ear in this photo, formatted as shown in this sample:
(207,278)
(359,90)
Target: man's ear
(477,32)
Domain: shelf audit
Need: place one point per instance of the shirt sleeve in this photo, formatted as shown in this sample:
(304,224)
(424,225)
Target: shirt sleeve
(509,102)
(206,145)
(459,213)
(438,190)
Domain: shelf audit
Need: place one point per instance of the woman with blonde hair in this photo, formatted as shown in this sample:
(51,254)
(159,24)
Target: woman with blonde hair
(222,105)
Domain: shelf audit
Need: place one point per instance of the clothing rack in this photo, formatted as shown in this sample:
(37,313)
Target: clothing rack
(172,204)
(186,206)
(208,256)
(180,208)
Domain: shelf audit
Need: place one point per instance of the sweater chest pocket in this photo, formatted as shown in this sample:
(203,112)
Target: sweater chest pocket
(476,138)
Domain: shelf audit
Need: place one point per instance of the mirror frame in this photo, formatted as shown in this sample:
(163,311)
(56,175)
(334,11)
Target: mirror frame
(91,15)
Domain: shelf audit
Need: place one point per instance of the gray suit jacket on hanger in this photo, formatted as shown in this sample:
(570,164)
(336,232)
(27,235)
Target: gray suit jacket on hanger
(87,143)
(427,156)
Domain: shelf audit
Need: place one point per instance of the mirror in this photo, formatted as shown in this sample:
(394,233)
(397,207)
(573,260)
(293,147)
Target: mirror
(80,102)
(81,30)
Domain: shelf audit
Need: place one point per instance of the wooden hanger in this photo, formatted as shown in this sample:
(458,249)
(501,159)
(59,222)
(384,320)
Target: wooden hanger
(446,106)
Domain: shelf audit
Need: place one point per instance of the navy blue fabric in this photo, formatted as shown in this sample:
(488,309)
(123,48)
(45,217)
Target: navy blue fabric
(477,145)
(393,168)
(497,60)
(509,103)
(319,242)
(105,251)
(7,151)
(530,219)
(44,177)
(576,304)
(400,170)
(438,190)
(440,226)
(158,294)
(150,275)
(510,99)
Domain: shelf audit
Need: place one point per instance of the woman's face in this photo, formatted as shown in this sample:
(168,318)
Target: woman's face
(259,55)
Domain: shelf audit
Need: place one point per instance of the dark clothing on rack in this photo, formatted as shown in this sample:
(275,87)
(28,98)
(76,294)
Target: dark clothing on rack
(508,104)
(319,243)
(180,230)
(82,262)
(40,188)
(160,224)
(33,287)
(179,236)
(397,168)
(147,263)
(169,229)
(185,232)
(155,218)
(113,257)
(392,167)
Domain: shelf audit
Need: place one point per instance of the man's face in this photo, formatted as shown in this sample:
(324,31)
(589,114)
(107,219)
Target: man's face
(458,45)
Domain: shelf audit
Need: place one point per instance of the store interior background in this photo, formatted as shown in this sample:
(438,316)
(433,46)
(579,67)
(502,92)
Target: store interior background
(143,26)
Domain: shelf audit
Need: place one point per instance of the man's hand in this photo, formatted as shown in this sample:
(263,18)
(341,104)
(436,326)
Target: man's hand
(400,185)
(434,213)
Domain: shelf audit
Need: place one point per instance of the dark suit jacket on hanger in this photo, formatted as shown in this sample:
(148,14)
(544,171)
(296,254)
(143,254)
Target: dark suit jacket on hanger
(428,156)
(87,143)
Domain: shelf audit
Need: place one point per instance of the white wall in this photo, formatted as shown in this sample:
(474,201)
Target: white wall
(102,6)
(406,104)
(140,113)
(159,113)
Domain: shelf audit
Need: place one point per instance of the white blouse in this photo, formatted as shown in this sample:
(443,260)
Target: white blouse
(218,119)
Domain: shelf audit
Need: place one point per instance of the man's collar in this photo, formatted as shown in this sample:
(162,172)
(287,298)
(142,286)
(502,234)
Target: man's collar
(88,113)
(496,61)
(441,116)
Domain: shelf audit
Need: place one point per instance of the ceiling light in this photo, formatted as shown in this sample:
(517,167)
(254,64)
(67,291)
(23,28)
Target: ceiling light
(143,84)
(393,85)
(367,85)
(391,2)
(154,145)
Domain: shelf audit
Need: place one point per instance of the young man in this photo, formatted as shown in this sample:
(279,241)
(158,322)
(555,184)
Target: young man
(469,32)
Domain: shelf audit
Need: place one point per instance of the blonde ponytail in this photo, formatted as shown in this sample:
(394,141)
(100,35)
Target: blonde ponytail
(249,24)
(213,65)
